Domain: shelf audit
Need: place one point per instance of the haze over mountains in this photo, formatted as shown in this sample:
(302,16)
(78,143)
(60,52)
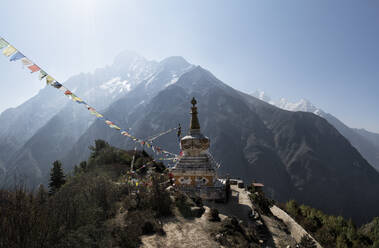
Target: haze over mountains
(367,143)
(297,155)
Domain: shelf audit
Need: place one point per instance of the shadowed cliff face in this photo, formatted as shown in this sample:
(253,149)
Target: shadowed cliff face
(296,155)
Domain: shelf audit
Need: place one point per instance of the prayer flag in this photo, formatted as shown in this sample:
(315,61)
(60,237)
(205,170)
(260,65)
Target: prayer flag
(42,74)
(108,122)
(56,85)
(49,79)
(9,50)
(17,56)
(63,89)
(3,43)
(34,68)
(97,114)
(90,108)
(67,93)
(26,61)
(114,127)
(77,99)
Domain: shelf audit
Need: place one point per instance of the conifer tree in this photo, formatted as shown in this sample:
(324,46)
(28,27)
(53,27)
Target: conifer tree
(57,177)
(307,242)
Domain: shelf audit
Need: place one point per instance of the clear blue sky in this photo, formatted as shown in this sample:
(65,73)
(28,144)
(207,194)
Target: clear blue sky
(325,51)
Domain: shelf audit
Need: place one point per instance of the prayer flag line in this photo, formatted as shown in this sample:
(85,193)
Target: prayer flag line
(15,54)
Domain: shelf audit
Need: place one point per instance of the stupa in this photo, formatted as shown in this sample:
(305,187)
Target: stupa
(195,171)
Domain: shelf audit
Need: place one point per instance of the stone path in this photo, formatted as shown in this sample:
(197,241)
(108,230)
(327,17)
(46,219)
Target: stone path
(296,230)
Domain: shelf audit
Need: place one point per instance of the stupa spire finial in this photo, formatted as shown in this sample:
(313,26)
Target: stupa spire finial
(195,126)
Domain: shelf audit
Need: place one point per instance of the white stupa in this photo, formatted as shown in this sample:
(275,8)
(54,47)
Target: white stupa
(195,172)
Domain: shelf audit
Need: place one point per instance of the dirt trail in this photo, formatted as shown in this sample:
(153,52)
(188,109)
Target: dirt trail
(296,230)
(183,233)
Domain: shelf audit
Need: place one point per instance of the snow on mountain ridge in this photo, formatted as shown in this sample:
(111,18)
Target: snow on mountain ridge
(116,84)
(302,105)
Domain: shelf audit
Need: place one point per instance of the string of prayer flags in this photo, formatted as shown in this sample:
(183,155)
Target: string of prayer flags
(9,50)
(3,43)
(17,56)
(33,68)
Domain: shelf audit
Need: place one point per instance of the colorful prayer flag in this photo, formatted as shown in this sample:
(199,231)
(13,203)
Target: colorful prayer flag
(9,50)
(67,93)
(56,85)
(63,89)
(49,79)
(76,99)
(26,61)
(42,74)
(17,56)
(114,127)
(91,109)
(34,68)
(3,43)
(98,115)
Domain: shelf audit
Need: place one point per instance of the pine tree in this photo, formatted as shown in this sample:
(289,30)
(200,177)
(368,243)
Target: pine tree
(57,177)
(307,242)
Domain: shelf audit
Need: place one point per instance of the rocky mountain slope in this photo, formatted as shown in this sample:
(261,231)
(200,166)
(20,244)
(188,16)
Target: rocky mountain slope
(365,142)
(297,155)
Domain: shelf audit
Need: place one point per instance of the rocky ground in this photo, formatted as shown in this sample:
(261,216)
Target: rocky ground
(279,230)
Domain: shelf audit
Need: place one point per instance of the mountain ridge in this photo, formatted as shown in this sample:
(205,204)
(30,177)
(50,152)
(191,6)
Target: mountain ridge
(367,143)
(297,155)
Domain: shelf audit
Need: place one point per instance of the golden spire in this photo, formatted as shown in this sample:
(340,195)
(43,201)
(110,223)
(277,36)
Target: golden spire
(194,120)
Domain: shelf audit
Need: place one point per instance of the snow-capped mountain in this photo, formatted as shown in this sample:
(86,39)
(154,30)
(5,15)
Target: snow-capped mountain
(283,103)
(51,114)
(363,141)
(302,105)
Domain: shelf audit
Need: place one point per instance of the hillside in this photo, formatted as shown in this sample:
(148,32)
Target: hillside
(103,204)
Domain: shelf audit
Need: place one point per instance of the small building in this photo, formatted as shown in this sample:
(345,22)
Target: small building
(258,187)
(195,173)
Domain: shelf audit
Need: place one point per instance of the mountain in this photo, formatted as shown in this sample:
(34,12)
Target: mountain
(297,155)
(130,72)
(365,142)
(373,137)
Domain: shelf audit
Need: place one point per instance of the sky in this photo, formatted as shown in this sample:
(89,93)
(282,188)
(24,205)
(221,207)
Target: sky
(324,51)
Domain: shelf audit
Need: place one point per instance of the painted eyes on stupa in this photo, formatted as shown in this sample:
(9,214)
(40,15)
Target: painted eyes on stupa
(185,180)
(202,180)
